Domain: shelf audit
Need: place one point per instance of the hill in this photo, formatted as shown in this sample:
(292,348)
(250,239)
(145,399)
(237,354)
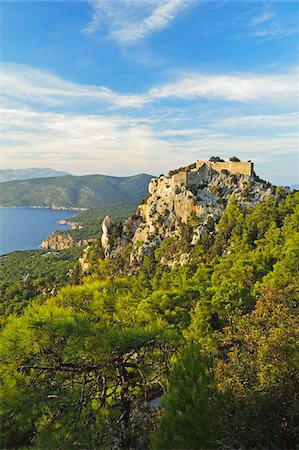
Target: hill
(70,191)
(26,174)
(192,199)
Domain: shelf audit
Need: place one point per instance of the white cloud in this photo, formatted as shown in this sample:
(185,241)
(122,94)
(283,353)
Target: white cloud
(264,17)
(273,32)
(239,87)
(287,120)
(84,142)
(128,21)
(121,145)
(269,25)
(24,86)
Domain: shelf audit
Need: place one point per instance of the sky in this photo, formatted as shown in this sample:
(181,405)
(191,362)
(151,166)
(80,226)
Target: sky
(120,87)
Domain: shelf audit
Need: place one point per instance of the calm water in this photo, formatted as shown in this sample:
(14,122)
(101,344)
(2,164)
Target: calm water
(26,228)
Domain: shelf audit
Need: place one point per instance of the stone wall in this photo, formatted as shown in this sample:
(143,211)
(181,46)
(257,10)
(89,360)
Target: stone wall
(244,168)
(180,177)
(202,172)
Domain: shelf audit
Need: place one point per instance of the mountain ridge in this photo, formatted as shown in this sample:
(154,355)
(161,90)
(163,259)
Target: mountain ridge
(70,191)
(26,174)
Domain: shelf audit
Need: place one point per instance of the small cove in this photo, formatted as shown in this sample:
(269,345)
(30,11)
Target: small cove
(26,228)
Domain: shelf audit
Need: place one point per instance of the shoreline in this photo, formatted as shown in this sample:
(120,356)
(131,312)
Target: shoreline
(54,208)
(57,227)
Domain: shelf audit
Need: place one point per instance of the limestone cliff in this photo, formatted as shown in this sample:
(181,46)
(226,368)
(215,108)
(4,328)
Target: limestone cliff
(195,196)
(61,241)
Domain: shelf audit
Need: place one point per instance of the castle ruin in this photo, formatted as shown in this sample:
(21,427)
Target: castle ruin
(243,168)
(202,171)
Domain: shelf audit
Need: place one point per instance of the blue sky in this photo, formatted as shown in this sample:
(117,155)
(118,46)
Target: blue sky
(121,87)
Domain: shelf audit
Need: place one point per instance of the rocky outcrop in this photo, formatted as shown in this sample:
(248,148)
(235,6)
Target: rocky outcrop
(83,261)
(105,239)
(61,241)
(193,197)
(73,225)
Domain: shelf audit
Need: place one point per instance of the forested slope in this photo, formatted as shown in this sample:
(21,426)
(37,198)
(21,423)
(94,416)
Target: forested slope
(216,336)
(70,191)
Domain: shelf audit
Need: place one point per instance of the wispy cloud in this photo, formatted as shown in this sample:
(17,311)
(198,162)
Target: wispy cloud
(129,21)
(115,144)
(262,18)
(262,121)
(22,85)
(120,145)
(239,87)
(270,25)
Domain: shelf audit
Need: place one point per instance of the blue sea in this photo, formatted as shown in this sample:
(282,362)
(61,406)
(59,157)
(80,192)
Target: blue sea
(26,228)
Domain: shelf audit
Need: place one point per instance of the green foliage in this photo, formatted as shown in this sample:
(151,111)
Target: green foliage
(225,172)
(79,354)
(25,275)
(182,169)
(216,159)
(189,419)
(259,368)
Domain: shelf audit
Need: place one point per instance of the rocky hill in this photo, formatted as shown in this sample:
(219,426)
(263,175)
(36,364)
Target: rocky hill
(70,191)
(190,200)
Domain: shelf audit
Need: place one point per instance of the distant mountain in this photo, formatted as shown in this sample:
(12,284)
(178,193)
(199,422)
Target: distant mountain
(70,191)
(26,174)
(294,186)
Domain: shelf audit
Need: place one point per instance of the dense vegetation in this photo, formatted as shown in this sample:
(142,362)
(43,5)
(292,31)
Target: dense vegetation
(27,274)
(217,336)
(70,191)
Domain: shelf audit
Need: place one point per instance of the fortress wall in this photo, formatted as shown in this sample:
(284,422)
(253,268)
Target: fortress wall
(234,167)
(200,177)
(193,178)
(201,173)
(180,177)
(245,168)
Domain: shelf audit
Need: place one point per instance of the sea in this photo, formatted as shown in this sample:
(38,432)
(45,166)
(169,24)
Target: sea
(26,228)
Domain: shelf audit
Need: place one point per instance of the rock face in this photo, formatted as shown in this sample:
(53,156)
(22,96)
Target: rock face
(83,261)
(61,241)
(57,241)
(190,196)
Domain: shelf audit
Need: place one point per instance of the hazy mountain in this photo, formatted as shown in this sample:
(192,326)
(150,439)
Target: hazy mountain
(70,191)
(25,174)
(294,186)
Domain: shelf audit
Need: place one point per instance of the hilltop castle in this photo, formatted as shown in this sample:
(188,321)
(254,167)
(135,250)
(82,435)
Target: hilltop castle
(202,171)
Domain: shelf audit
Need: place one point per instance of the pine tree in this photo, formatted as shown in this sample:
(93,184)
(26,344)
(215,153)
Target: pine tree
(189,419)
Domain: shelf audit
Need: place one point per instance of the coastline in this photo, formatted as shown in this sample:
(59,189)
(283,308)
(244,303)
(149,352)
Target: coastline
(55,208)
(17,237)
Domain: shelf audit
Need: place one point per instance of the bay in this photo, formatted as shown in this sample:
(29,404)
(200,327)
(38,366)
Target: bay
(26,228)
